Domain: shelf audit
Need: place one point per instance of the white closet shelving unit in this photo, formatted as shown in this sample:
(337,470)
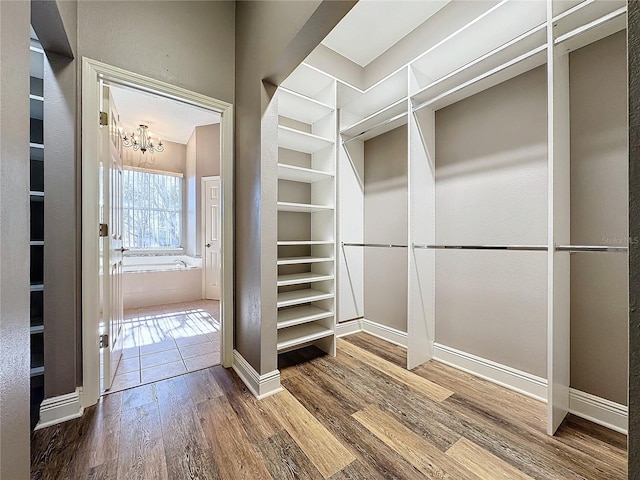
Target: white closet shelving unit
(504,40)
(306,211)
(36,241)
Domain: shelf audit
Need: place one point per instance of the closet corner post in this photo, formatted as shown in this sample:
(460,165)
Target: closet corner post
(421,299)
(558,306)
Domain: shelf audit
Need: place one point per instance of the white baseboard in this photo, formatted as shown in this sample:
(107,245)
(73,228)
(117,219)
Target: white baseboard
(60,409)
(599,410)
(260,385)
(503,375)
(392,335)
(349,327)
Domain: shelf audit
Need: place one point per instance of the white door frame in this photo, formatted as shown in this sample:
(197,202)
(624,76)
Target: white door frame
(203,218)
(92,72)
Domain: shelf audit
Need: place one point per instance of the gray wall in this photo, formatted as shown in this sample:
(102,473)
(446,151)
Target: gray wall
(207,165)
(491,188)
(272,39)
(599,216)
(14,241)
(385,221)
(185,43)
(633,61)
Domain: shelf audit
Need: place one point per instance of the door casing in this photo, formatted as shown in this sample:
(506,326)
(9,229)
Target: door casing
(92,73)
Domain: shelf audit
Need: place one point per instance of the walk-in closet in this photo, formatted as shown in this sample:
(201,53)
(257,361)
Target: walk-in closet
(464,194)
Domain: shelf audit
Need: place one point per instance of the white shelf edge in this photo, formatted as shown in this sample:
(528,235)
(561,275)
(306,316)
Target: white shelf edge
(34,372)
(305,314)
(36,243)
(303,260)
(299,297)
(305,134)
(35,193)
(36,287)
(302,207)
(38,98)
(380,112)
(309,332)
(36,329)
(289,243)
(36,145)
(304,174)
(301,278)
(305,97)
(590,26)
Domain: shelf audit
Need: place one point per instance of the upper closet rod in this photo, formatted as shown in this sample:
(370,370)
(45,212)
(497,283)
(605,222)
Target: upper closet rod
(377,245)
(590,248)
(392,119)
(534,248)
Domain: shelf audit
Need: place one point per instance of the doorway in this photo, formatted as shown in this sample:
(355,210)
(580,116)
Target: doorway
(163,333)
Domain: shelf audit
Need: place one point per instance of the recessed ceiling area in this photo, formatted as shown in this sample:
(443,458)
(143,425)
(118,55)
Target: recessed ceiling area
(373,26)
(168,119)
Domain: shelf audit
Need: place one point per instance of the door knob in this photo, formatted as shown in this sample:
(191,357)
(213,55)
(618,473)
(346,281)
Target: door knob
(208,245)
(123,249)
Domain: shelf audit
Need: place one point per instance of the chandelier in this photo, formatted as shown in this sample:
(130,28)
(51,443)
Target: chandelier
(142,141)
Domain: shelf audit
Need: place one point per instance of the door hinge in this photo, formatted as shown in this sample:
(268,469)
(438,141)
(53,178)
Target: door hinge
(104,341)
(103,230)
(104,118)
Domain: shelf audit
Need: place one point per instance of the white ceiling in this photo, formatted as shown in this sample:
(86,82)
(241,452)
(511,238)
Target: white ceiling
(373,26)
(168,119)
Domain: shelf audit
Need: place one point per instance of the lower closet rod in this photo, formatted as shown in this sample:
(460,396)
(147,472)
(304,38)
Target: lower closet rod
(531,248)
(590,248)
(377,245)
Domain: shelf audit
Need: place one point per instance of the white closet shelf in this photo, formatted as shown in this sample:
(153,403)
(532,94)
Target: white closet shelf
(307,81)
(302,207)
(595,30)
(36,287)
(583,14)
(386,92)
(514,67)
(36,196)
(300,278)
(300,107)
(36,329)
(300,141)
(373,121)
(476,67)
(289,243)
(301,174)
(289,317)
(36,243)
(37,371)
(298,297)
(303,260)
(301,334)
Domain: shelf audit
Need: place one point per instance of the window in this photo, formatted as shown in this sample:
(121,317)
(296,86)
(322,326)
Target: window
(152,209)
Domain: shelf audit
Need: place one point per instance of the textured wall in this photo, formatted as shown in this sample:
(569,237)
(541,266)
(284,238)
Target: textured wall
(14,241)
(599,216)
(385,221)
(634,231)
(491,188)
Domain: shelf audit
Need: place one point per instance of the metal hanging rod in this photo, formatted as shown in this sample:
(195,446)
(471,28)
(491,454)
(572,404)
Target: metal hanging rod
(392,119)
(377,245)
(590,248)
(529,248)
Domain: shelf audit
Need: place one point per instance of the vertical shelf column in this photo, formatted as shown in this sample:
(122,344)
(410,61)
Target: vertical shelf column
(558,327)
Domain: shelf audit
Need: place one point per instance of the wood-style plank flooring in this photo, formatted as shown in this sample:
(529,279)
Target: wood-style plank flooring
(357,416)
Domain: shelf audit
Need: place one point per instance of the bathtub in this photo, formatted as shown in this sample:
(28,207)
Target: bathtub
(160,279)
(159,263)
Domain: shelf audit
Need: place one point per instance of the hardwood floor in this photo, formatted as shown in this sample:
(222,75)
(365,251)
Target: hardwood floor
(357,416)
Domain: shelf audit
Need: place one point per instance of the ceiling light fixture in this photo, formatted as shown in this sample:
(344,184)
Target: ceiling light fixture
(141,140)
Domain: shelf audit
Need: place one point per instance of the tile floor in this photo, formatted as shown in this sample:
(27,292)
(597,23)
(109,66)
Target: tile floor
(168,340)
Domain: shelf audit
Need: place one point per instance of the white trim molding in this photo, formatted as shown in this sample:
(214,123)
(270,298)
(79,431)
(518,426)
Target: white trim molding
(395,336)
(59,409)
(391,335)
(599,410)
(517,380)
(94,74)
(260,385)
(349,327)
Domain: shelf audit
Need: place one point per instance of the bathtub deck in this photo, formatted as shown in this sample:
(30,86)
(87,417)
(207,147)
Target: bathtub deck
(168,340)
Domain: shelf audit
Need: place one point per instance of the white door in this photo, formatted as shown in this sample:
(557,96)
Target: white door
(111,243)
(212,244)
